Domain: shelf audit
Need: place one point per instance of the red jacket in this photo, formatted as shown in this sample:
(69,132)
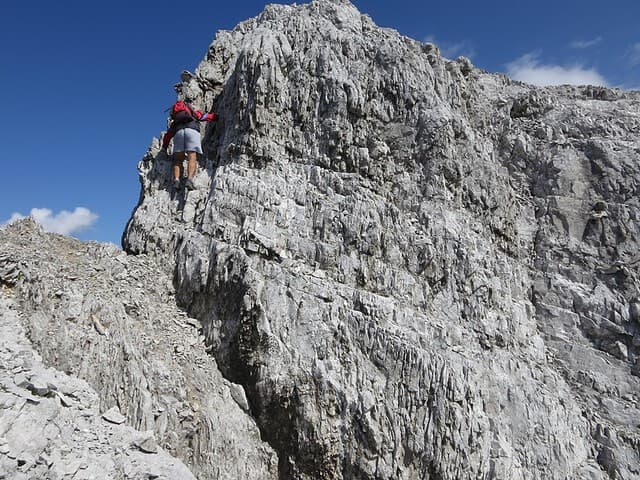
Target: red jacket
(193,124)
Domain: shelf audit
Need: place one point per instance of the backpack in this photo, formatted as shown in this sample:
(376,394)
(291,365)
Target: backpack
(181,112)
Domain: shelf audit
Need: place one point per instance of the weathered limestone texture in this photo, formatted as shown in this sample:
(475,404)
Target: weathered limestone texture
(404,267)
(50,427)
(98,314)
(416,269)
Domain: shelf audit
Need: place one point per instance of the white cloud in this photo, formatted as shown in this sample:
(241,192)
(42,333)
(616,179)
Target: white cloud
(585,43)
(528,69)
(63,222)
(452,50)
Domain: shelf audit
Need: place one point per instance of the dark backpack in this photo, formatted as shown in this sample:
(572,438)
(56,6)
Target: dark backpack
(181,112)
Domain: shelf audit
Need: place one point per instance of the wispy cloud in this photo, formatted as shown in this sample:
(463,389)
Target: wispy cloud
(63,222)
(585,43)
(528,69)
(453,49)
(634,54)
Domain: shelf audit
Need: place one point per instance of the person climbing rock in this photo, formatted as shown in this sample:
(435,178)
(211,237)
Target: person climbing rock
(185,132)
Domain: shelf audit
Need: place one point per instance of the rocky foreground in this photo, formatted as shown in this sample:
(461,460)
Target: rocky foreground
(395,266)
(51,424)
(95,313)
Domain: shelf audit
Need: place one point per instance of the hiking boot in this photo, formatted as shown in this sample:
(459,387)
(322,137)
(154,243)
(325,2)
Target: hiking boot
(176,183)
(189,184)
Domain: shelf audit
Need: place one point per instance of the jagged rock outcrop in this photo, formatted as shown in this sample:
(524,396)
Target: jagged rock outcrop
(413,268)
(50,426)
(97,314)
(416,269)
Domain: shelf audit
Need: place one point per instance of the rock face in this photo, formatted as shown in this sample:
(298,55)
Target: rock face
(110,319)
(404,267)
(415,268)
(50,426)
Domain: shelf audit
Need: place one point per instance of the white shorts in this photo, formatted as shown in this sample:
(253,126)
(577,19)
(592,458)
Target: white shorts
(187,140)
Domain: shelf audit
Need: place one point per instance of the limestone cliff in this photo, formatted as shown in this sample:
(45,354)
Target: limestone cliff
(404,267)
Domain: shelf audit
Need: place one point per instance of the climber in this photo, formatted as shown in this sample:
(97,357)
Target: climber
(185,131)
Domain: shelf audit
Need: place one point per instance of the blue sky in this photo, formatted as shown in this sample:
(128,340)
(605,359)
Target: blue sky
(84,85)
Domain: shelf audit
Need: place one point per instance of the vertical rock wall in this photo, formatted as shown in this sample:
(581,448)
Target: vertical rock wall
(416,269)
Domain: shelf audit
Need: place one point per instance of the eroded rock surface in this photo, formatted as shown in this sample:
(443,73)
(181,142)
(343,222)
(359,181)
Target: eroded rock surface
(405,267)
(109,319)
(416,268)
(50,426)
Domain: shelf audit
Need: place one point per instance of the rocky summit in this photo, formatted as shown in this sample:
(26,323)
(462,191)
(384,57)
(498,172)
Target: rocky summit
(394,266)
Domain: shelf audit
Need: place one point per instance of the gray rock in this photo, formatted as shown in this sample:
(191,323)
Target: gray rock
(39,385)
(64,400)
(412,268)
(113,415)
(133,366)
(148,445)
(41,440)
(384,223)
(21,380)
(239,396)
